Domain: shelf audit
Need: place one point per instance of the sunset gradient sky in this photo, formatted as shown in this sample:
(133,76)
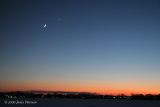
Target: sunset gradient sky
(103,46)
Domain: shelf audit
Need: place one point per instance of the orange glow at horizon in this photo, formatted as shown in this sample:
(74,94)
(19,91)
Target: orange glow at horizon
(76,88)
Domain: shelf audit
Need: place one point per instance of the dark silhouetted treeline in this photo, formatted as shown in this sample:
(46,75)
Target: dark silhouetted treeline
(146,97)
(75,95)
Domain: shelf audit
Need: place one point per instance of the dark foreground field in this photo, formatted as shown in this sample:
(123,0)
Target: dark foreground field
(78,103)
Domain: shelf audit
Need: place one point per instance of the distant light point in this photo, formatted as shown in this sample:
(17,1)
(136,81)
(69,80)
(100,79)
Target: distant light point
(59,19)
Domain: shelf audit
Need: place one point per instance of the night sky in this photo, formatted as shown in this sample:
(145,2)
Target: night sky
(104,46)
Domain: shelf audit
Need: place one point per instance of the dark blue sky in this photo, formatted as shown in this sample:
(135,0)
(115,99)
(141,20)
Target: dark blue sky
(104,38)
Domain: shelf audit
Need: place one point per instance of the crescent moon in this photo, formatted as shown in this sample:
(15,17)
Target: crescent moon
(44,25)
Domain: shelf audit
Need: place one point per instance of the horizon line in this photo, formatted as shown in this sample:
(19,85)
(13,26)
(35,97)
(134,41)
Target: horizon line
(52,91)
